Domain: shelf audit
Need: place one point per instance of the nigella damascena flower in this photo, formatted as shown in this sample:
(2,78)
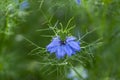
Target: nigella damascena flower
(24,5)
(78,1)
(61,48)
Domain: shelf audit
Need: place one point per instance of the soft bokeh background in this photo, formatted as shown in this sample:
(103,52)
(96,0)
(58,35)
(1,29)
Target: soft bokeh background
(97,25)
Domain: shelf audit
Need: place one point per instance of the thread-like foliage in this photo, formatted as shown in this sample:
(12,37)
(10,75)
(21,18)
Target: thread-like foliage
(27,27)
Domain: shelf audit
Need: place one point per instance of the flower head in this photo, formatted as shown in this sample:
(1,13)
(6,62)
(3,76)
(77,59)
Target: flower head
(61,48)
(78,1)
(24,5)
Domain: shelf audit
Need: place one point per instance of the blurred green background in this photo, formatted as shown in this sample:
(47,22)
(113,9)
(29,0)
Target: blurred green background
(97,25)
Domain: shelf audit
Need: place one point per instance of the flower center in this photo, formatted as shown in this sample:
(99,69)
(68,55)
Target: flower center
(62,42)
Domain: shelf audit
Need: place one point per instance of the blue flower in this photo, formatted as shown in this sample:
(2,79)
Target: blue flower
(61,48)
(78,1)
(24,5)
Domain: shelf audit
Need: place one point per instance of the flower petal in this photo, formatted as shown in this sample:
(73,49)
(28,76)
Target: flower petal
(60,52)
(55,42)
(52,50)
(74,45)
(71,38)
(69,51)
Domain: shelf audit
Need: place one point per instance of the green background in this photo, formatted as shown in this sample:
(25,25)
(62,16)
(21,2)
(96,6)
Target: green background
(97,24)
